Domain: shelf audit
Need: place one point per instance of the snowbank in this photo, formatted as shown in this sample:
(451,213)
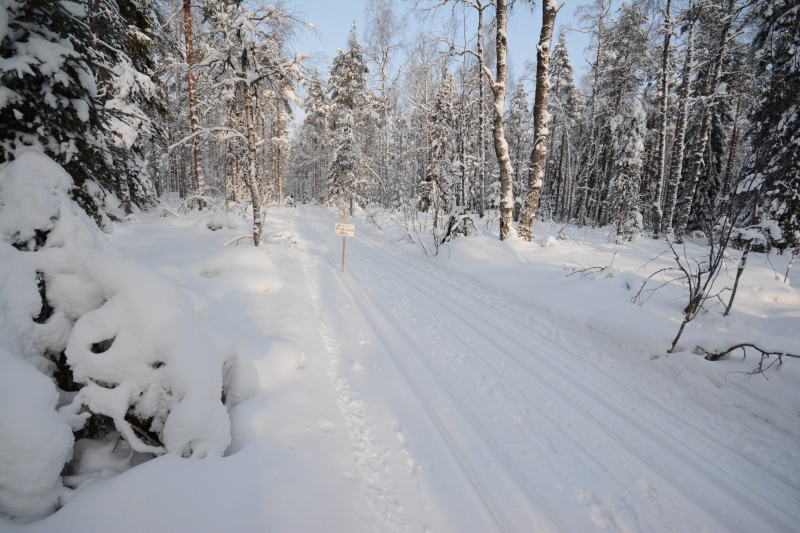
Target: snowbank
(126,348)
(34,441)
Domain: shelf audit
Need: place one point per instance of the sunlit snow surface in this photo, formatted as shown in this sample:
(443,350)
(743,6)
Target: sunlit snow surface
(480,390)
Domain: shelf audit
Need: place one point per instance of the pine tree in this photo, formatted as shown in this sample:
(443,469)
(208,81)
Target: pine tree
(348,84)
(191,86)
(589,176)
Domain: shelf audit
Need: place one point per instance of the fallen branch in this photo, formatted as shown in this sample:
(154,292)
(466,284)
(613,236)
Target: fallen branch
(583,271)
(144,434)
(765,357)
(236,240)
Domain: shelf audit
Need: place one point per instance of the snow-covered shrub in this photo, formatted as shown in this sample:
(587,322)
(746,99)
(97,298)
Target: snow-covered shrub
(119,339)
(457,225)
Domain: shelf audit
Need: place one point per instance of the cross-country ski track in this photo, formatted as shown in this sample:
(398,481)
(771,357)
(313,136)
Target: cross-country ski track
(524,419)
(418,394)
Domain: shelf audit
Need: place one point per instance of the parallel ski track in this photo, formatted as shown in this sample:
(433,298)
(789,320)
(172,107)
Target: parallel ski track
(509,465)
(784,484)
(478,486)
(477,325)
(787,483)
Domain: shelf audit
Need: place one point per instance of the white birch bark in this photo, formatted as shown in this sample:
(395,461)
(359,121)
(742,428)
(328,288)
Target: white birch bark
(661,154)
(197,160)
(481,114)
(498,86)
(252,175)
(679,145)
(541,120)
(685,208)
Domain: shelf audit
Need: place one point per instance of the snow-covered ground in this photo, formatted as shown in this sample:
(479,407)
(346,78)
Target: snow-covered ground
(480,390)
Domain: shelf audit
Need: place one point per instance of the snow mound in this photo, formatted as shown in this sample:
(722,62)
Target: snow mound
(217,220)
(119,342)
(235,268)
(549,241)
(34,441)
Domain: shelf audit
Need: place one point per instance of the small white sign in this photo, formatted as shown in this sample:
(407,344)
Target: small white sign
(345,230)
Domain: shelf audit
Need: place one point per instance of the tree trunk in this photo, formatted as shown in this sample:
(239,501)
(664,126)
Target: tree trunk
(685,208)
(661,153)
(588,171)
(278,133)
(739,270)
(252,176)
(732,152)
(498,86)
(679,144)
(541,120)
(197,161)
(789,266)
(481,115)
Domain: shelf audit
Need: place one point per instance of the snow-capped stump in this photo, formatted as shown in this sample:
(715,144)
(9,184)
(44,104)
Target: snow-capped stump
(120,346)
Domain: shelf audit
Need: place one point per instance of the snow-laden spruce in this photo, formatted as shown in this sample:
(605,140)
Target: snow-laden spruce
(119,339)
(629,130)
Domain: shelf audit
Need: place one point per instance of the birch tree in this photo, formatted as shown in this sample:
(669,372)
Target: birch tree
(197,157)
(661,149)
(679,144)
(709,93)
(541,120)
(249,53)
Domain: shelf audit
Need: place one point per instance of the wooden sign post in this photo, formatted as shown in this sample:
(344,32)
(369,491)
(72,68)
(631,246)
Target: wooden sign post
(345,230)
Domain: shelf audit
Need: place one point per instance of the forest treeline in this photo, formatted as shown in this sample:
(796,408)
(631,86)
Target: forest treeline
(685,121)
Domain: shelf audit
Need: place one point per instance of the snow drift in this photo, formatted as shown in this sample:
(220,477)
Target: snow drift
(125,348)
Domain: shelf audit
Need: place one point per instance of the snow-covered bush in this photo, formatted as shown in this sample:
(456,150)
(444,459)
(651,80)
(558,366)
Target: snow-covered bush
(121,341)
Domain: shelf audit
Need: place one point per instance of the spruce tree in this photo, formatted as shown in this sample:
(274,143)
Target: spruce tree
(773,168)
(518,126)
(438,187)
(565,105)
(350,110)
(628,129)
(310,155)
(346,174)
(49,100)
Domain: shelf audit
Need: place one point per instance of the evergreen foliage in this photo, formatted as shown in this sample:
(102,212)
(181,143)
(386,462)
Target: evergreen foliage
(773,168)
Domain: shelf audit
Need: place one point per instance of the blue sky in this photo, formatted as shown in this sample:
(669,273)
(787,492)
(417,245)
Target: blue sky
(333,19)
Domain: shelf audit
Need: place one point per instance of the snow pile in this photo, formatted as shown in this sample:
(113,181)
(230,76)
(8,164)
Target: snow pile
(34,441)
(122,342)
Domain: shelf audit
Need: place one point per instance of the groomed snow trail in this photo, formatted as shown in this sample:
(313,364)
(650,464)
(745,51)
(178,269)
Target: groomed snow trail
(537,440)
